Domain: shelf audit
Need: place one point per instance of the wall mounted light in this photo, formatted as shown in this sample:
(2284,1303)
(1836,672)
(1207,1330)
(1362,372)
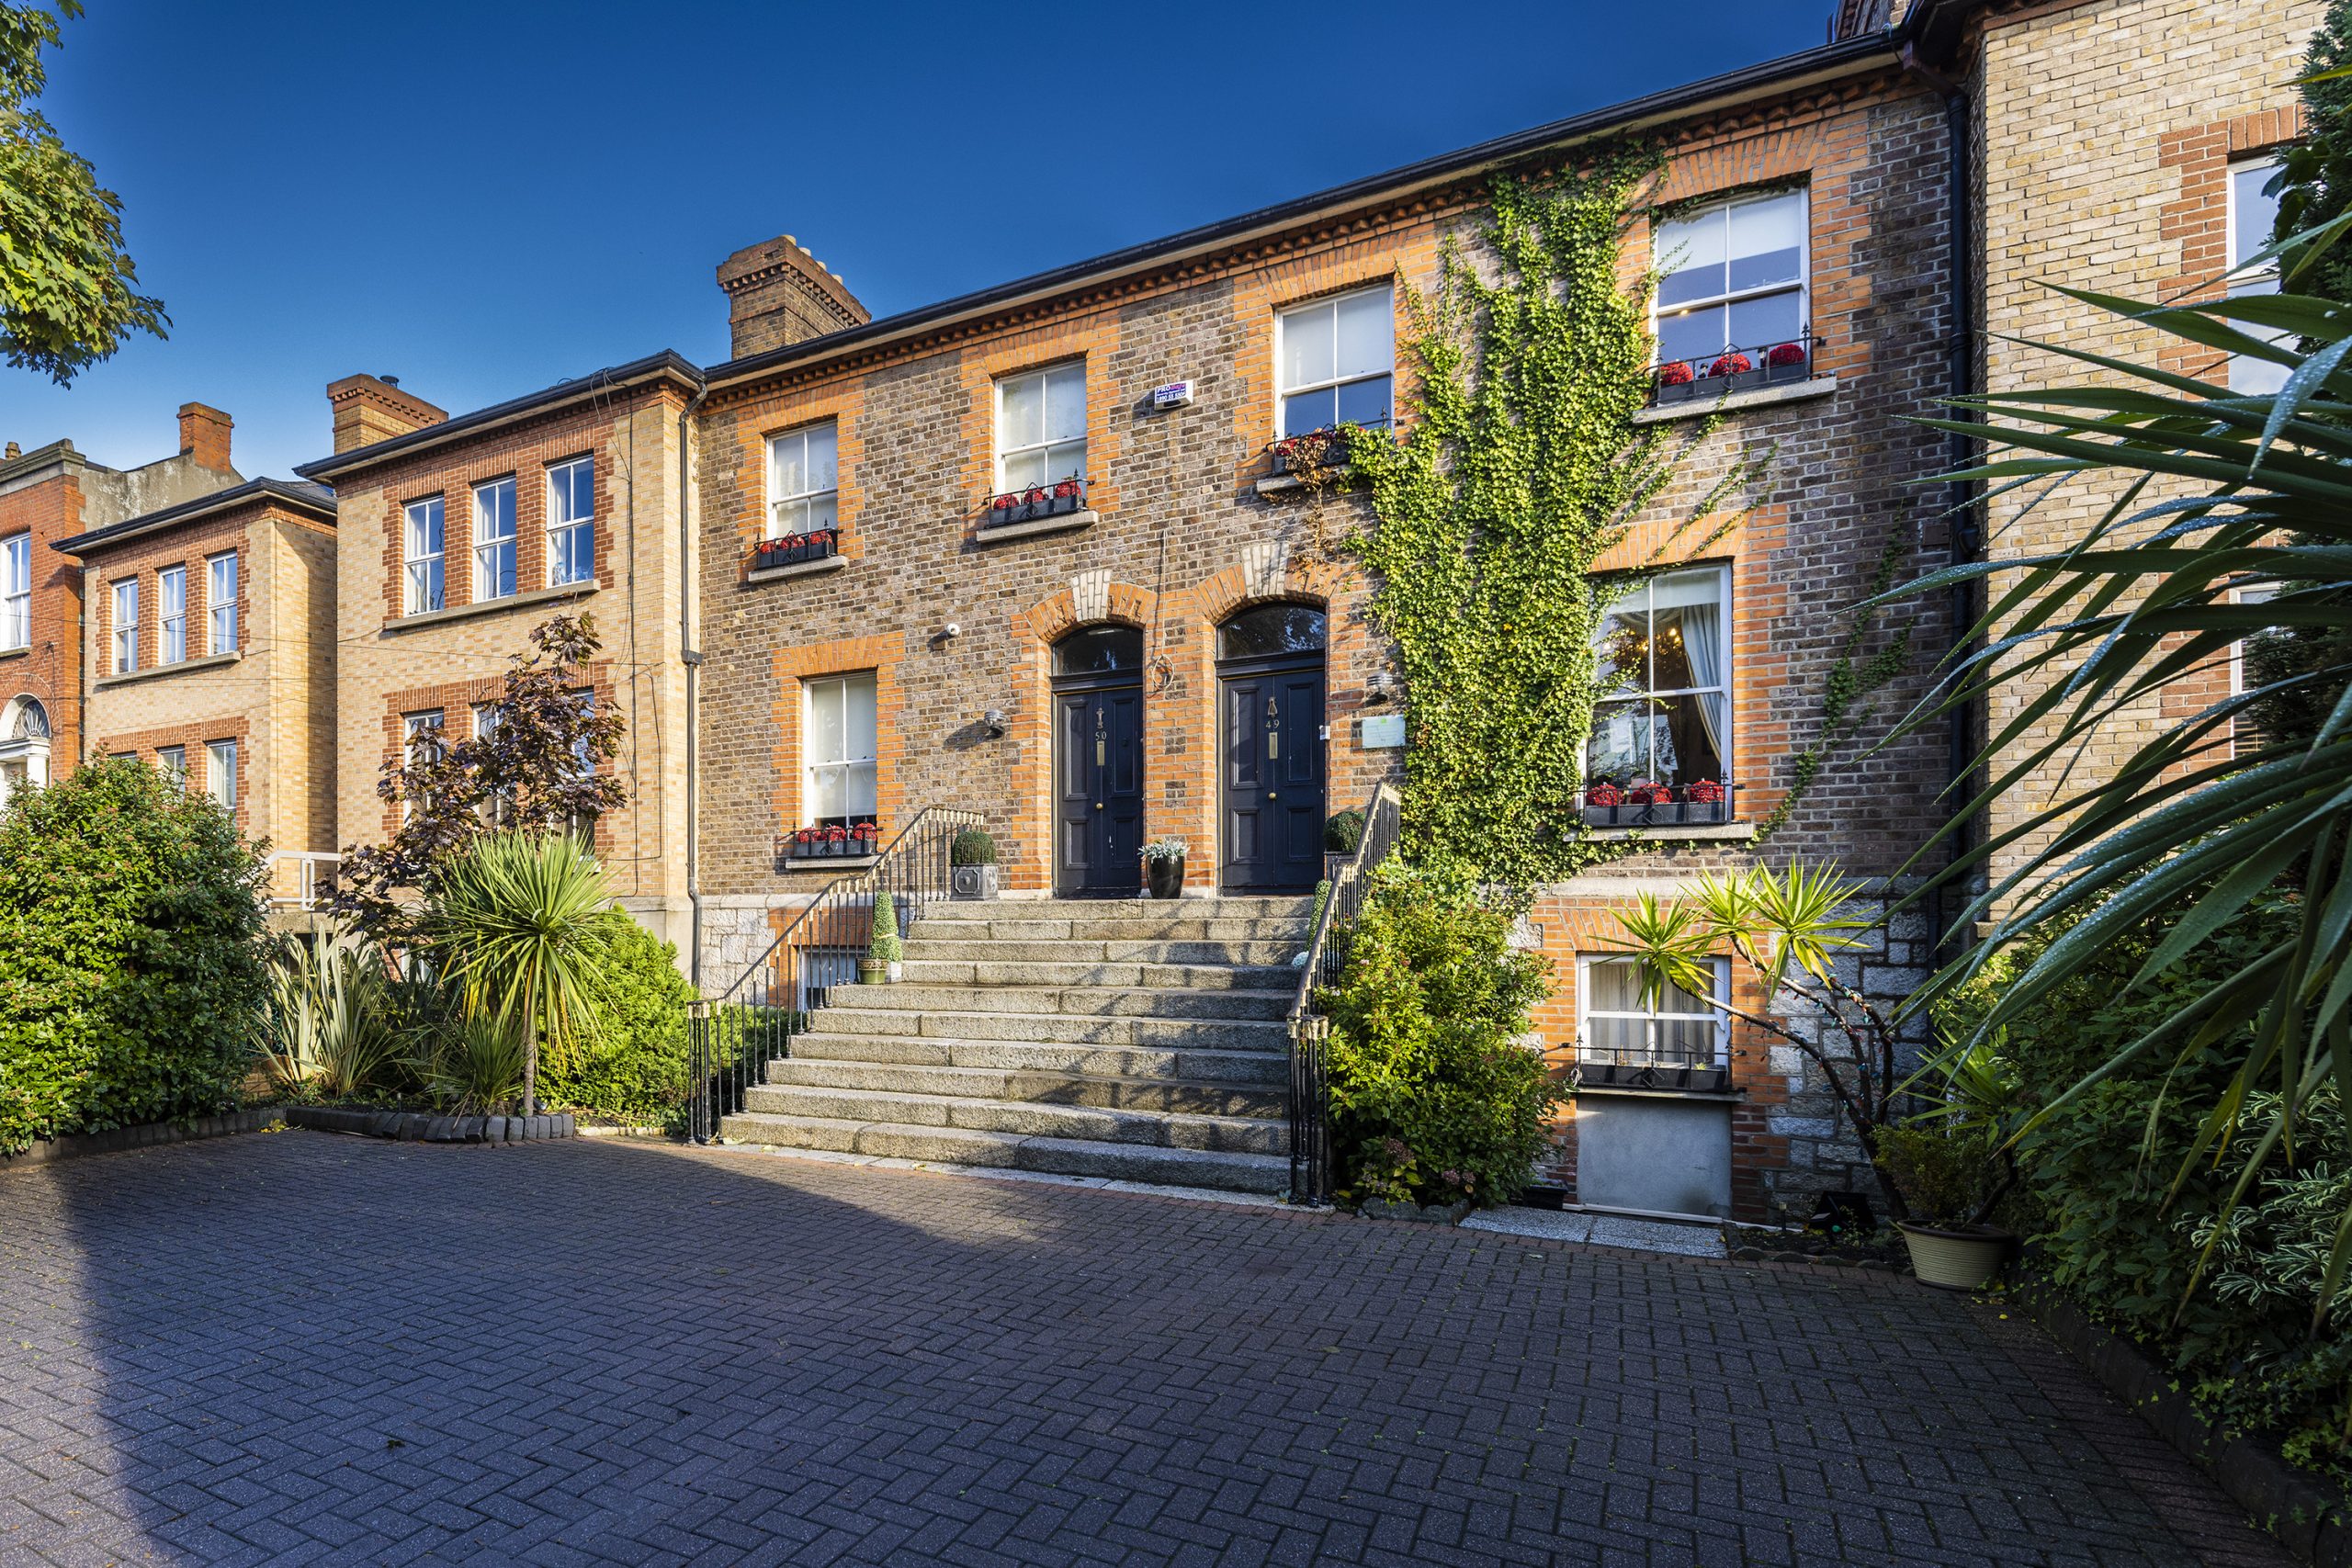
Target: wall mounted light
(993,721)
(1376,689)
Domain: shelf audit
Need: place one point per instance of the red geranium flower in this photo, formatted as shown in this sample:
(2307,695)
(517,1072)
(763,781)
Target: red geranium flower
(1604,794)
(1674,373)
(1705,791)
(1005,503)
(1064,490)
(1731,363)
(836,834)
(1037,493)
(1785,353)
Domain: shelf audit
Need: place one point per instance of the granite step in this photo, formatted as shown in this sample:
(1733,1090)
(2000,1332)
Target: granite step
(910,996)
(1006,950)
(1210,976)
(1016,1151)
(1199,1033)
(1231,1135)
(1189,1097)
(1238,907)
(1180,927)
(1207,1064)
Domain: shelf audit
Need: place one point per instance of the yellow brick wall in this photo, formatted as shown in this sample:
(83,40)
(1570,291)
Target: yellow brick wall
(2104,132)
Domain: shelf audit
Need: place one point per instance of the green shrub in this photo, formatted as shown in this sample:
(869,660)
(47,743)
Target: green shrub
(630,1064)
(884,947)
(1434,1099)
(2113,1231)
(132,972)
(477,1065)
(333,1028)
(1342,832)
(971,846)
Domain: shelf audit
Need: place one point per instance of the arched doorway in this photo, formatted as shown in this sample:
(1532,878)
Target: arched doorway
(23,746)
(1098,762)
(1271,774)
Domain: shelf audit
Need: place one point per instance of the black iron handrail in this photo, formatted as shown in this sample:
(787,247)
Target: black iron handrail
(1327,955)
(732,1036)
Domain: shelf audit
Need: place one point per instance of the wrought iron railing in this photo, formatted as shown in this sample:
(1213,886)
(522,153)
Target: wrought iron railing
(313,869)
(733,1035)
(1327,955)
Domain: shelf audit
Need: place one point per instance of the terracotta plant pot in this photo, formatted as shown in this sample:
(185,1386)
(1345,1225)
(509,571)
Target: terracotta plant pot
(1166,877)
(1959,1259)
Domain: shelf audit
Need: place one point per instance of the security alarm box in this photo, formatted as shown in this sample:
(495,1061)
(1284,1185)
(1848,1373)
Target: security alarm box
(1174,395)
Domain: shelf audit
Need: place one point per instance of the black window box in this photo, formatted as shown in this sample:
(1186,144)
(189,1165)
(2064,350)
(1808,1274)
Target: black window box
(831,849)
(1761,372)
(1676,391)
(1659,813)
(1058,500)
(769,554)
(1334,452)
(1666,1076)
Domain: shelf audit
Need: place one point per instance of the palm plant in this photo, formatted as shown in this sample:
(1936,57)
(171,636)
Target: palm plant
(2234,517)
(1788,928)
(517,931)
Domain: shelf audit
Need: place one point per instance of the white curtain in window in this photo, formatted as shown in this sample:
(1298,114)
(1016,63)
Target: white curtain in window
(1699,595)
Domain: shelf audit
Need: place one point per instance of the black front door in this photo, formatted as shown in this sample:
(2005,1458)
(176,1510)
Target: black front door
(1097,770)
(1274,777)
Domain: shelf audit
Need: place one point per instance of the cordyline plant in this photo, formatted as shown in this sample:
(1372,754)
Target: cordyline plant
(1787,928)
(540,768)
(2230,529)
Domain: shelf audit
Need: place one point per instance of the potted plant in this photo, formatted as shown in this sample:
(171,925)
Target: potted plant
(1952,1166)
(1344,832)
(1163,867)
(1705,800)
(864,837)
(1734,366)
(1786,362)
(971,864)
(1601,803)
(1658,806)
(882,954)
(1312,454)
(1677,382)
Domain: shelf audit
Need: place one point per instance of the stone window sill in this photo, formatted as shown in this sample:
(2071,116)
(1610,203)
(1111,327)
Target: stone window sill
(492,606)
(1732,402)
(799,569)
(131,677)
(1725,1095)
(7,653)
(1697,832)
(1066,523)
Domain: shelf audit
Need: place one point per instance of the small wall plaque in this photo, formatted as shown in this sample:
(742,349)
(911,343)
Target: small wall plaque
(1382,732)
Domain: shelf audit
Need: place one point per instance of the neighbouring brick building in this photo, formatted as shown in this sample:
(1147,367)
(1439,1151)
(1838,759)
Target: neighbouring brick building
(459,536)
(209,652)
(49,495)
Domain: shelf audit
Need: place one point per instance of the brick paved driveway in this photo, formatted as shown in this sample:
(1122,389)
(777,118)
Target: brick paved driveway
(300,1347)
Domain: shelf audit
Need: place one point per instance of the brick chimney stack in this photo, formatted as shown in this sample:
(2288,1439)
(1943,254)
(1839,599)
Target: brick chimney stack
(369,408)
(203,436)
(778,294)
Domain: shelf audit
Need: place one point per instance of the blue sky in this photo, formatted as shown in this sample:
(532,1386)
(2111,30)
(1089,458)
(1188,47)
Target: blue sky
(484,198)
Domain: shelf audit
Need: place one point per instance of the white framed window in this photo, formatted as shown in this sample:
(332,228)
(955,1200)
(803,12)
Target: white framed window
(2253,213)
(1663,672)
(1338,359)
(126,626)
(494,540)
(171,616)
(221,772)
(17,590)
(1041,427)
(1673,1028)
(220,600)
(803,478)
(487,716)
(171,762)
(571,522)
(1731,274)
(837,746)
(424,555)
(420,739)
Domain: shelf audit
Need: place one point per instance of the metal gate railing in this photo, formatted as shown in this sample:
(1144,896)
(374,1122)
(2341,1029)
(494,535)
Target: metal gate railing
(1327,955)
(732,1037)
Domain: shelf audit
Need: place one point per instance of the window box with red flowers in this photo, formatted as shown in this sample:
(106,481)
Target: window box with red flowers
(1312,452)
(1035,503)
(1733,370)
(796,549)
(832,841)
(1646,804)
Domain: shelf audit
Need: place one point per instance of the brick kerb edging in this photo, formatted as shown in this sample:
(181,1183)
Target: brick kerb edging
(417,1126)
(73,1146)
(2303,1511)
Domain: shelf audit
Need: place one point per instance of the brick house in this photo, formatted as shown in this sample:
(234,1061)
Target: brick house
(459,535)
(48,496)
